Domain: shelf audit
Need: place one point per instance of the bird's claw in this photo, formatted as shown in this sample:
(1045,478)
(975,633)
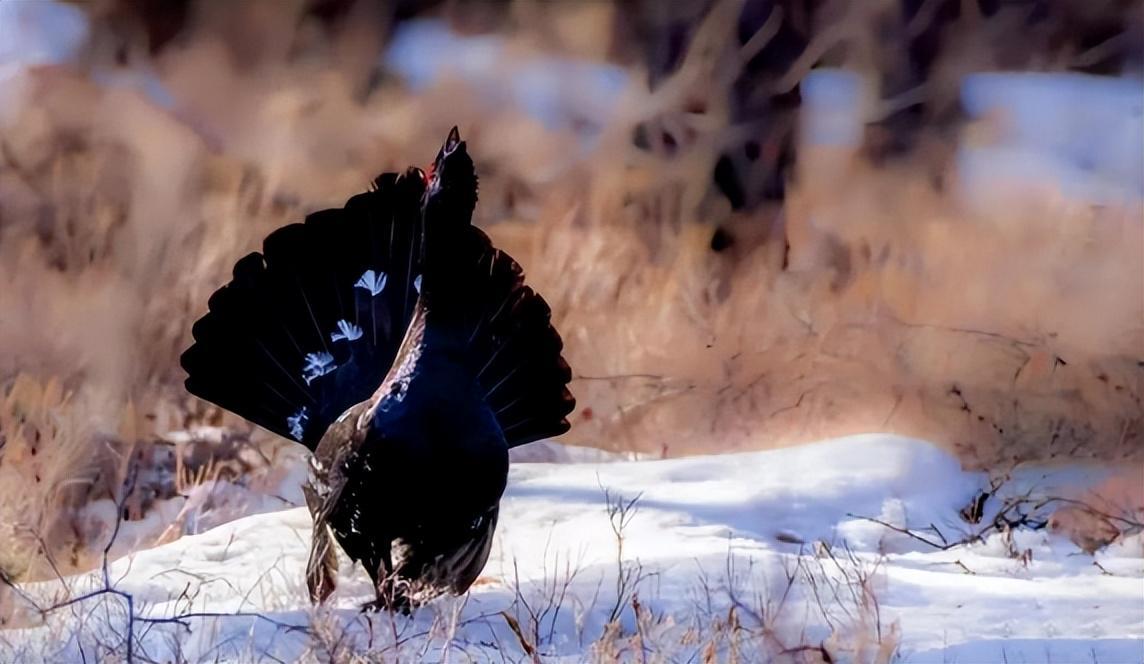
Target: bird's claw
(399,605)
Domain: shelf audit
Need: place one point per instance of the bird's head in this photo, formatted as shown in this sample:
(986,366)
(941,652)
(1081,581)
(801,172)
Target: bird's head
(451,183)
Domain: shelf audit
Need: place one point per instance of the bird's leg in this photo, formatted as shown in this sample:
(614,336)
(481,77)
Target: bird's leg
(395,604)
(392,593)
(322,567)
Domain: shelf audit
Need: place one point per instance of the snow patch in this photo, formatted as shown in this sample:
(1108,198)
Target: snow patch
(835,106)
(41,32)
(1079,134)
(561,93)
(710,522)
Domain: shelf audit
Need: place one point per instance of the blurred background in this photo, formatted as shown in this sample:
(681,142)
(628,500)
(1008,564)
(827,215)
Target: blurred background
(758,222)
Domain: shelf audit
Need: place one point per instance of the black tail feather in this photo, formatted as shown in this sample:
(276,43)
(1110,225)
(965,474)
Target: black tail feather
(510,344)
(311,325)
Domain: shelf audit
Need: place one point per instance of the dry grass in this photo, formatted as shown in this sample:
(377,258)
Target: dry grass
(51,465)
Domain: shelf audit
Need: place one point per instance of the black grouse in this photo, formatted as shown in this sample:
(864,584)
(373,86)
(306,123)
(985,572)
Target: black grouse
(394,341)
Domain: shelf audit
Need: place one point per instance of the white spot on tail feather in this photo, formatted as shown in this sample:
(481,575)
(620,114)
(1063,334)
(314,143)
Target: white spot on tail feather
(347,331)
(297,423)
(417,284)
(374,282)
(318,364)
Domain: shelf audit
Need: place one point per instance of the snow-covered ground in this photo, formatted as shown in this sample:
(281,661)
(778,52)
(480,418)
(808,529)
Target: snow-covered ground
(738,555)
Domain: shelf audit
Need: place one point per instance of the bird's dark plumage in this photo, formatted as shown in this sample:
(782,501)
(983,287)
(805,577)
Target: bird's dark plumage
(392,339)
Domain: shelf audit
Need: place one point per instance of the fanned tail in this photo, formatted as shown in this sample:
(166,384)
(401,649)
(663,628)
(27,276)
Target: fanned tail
(509,342)
(310,326)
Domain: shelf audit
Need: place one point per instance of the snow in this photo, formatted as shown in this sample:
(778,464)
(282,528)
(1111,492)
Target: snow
(559,92)
(1080,134)
(703,529)
(42,32)
(1041,110)
(39,35)
(35,34)
(1073,136)
(835,107)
